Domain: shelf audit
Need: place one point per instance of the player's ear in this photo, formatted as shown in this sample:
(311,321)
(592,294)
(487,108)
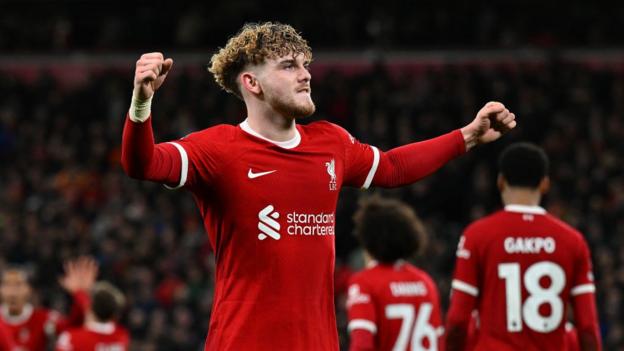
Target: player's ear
(501,182)
(249,82)
(544,185)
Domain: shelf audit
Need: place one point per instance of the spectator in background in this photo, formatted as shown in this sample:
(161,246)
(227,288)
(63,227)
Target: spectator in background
(392,305)
(34,328)
(100,331)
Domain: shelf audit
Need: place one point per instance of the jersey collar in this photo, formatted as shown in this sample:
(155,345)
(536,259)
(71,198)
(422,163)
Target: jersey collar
(396,265)
(100,328)
(288,144)
(27,311)
(525,209)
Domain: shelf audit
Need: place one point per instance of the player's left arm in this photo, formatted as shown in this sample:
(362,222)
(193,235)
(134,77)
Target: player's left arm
(464,293)
(582,293)
(366,165)
(410,163)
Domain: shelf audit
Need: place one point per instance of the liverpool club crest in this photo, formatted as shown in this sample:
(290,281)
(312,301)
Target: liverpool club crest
(331,170)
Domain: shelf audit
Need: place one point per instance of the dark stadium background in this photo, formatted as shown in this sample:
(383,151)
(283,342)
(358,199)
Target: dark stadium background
(390,72)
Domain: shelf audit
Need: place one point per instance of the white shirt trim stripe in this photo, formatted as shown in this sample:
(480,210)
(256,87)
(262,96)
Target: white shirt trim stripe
(101,327)
(288,144)
(183,167)
(525,209)
(583,289)
(465,287)
(373,170)
(362,324)
(27,311)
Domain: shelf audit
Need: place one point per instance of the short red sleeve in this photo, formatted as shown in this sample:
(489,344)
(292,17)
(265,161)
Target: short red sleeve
(361,160)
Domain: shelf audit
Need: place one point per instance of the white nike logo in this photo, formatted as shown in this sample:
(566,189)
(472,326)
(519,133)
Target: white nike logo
(253,175)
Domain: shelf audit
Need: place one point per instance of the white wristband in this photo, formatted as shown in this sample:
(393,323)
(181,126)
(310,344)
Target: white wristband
(140,109)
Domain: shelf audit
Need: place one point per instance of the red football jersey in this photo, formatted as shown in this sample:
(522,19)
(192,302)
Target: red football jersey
(269,211)
(523,265)
(35,328)
(94,337)
(269,208)
(397,303)
(6,339)
(32,330)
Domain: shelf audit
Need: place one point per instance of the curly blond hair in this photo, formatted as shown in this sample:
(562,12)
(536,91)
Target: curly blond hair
(254,43)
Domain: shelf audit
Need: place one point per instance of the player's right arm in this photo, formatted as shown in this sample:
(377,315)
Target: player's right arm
(463,296)
(584,303)
(141,158)
(362,325)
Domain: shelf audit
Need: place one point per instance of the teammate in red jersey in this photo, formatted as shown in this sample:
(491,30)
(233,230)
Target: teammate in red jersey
(100,332)
(392,305)
(267,188)
(34,328)
(521,266)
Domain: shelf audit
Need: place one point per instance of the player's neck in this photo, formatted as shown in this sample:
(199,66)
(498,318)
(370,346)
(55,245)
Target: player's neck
(271,124)
(521,196)
(16,311)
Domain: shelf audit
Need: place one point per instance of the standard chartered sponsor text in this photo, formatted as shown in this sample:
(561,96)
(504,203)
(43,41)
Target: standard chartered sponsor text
(309,224)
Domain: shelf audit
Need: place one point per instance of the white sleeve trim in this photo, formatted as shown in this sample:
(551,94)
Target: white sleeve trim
(362,324)
(183,167)
(583,289)
(373,170)
(465,287)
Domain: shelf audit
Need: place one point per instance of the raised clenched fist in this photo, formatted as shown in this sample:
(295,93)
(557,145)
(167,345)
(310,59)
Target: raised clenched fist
(151,71)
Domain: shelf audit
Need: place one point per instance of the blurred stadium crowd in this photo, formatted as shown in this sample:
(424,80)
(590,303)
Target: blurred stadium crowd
(63,192)
(95,25)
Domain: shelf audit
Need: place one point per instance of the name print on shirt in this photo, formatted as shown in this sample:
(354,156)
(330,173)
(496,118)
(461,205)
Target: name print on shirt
(529,245)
